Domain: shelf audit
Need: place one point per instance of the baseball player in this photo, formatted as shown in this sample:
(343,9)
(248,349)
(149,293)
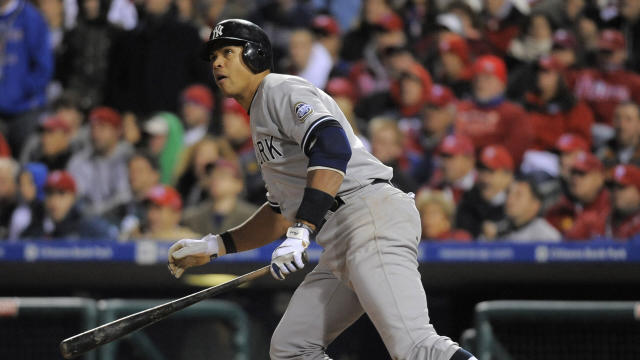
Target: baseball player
(323,184)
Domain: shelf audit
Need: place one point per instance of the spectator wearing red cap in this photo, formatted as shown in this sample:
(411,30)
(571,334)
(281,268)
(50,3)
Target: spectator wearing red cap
(197,106)
(411,89)
(224,208)
(236,129)
(456,172)
(624,222)
(164,211)
(489,118)
(437,212)
(455,58)
(101,170)
(552,108)
(603,88)
(481,210)
(502,22)
(568,146)
(344,93)
(63,218)
(624,148)
(437,122)
(328,40)
(582,214)
(53,145)
(387,146)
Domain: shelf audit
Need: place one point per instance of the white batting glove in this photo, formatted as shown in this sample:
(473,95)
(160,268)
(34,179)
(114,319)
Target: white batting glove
(186,253)
(291,255)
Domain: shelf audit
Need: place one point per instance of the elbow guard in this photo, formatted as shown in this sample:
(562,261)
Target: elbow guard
(329,148)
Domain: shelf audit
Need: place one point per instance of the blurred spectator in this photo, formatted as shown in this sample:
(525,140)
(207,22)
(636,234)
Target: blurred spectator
(625,217)
(564,49)
(553,110)
(355,41)
(568,147)
(31,199)
(370,74)
(26,66)
(472,25)
(455,60)
(68,109)
(624,148)
(571,11)
(536,40)
(502,20)
(144,174)
(63,218)
(197,107)
(237,131)
(411,89)
(165,143)
(583,215)
(151,65)
(344,94)
(524,208)
(193,182)
(164,209)
(457,173)
(610,84)
(53,147)
(489,118)
(278,18)
(84,60)
(630,11)
(386,146)
(437,122)
(481,210)
(225,209)
(437,212)
(101,171)
(8,193)
(314,52)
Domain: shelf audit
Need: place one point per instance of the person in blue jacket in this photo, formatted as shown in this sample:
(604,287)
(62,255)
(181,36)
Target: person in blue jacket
(26,66)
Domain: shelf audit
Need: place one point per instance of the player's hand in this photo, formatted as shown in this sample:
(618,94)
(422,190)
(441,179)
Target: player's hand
(186,253)
(291,255)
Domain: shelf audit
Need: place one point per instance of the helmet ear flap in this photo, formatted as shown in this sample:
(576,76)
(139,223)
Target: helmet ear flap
(255,57)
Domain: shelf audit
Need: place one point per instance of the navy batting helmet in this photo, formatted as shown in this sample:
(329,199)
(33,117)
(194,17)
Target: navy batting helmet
(256,45)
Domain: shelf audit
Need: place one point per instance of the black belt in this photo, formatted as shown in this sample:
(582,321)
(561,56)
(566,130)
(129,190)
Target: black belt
(338,202)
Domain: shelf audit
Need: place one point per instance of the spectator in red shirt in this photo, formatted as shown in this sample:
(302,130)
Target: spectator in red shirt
(624,222)
(568,147)
(457,172)
(490,118)
(624,148)
(583,216)
(604,88)
(437,212)
(552,108)
(481,210)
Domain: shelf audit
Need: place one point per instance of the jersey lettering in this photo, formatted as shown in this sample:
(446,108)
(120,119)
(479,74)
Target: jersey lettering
(266,151)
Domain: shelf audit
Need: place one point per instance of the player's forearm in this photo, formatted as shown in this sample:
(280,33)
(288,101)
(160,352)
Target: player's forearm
(325,180)
(263,227)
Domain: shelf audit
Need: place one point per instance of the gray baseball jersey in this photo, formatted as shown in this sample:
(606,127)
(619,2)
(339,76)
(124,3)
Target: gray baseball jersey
(369,263)
(284,111)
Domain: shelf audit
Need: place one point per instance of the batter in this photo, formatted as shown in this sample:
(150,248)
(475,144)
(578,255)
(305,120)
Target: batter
(322,184)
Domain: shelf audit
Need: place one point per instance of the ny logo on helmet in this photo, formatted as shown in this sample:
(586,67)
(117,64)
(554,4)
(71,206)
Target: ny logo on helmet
(217,32)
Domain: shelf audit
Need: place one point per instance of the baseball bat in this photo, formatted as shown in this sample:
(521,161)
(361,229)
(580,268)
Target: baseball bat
(91,339)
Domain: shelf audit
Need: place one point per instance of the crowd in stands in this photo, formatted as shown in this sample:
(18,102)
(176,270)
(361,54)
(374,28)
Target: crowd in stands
(511,120)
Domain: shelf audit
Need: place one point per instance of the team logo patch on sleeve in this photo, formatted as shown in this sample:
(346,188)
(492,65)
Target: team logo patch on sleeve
(302,110)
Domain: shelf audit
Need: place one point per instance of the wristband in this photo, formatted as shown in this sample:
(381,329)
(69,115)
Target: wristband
(229,244)
(315,204)
(304,226)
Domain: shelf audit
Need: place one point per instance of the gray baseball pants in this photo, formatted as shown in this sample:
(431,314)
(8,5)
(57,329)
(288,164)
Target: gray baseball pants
(369,264)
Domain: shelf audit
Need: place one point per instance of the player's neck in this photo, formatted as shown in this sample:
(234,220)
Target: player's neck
(246,97)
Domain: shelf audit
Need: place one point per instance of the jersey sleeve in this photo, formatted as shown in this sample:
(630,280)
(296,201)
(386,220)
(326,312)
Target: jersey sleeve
(298,108)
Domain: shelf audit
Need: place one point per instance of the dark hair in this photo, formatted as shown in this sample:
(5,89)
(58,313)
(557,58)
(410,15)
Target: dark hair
(153,162)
